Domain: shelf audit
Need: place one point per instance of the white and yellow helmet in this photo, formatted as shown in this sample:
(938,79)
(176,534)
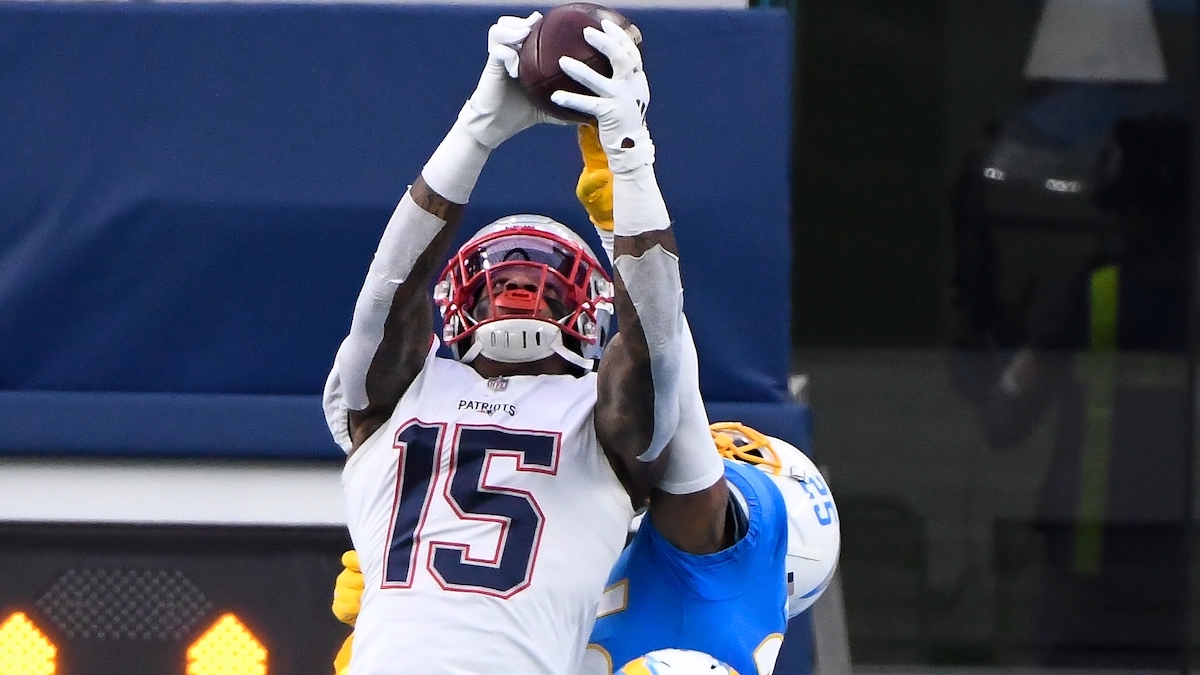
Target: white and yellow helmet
(676,662)
(814,533)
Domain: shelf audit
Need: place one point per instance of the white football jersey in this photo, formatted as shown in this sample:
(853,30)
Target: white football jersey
(486,518)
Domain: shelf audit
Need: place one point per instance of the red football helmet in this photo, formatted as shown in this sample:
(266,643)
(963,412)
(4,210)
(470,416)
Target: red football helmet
(523,288)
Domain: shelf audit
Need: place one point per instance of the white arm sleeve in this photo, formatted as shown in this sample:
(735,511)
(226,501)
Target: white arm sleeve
(408,233)
(451,172)
(693,463)
(653,284)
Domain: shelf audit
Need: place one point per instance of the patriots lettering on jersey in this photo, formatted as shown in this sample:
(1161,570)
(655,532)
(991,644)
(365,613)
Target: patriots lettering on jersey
(487,408)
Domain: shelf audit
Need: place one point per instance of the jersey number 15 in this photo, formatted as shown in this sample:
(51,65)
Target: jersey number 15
(471,498)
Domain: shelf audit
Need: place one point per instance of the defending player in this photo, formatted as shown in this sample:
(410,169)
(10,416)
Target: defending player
(488,496)
(733,604)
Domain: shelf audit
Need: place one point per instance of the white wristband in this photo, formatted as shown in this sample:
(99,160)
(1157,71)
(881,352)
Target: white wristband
(454,167)
(638,205)
(607,242)
(622,159)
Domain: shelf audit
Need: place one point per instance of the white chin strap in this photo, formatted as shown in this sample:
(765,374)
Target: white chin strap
(521,341)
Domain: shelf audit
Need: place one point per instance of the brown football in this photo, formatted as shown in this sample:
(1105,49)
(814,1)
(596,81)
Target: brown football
(558,34)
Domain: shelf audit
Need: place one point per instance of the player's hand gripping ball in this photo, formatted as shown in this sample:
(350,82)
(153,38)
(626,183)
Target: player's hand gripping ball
(676,662)
(558,34)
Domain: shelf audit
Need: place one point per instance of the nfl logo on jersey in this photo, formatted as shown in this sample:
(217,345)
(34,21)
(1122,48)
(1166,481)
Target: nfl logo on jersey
(498,383)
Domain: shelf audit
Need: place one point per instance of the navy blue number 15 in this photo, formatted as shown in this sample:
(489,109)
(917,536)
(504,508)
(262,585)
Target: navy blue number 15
(472,498)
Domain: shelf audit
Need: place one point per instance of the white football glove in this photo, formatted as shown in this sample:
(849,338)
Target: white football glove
(498,109)
(620,103)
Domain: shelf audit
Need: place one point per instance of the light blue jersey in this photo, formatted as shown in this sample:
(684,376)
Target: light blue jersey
(730,604)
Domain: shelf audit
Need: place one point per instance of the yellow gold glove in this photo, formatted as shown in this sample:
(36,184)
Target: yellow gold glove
(594,188)
(347,592)
(341,662)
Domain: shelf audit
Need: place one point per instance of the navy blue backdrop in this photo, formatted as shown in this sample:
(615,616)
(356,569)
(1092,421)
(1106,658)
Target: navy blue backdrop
(190,196)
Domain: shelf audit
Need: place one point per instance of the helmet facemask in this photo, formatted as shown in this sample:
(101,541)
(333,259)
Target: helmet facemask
(523,289)
(739,442)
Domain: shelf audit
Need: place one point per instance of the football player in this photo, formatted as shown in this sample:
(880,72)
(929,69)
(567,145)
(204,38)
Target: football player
(780,537)
(795,565)
(734,604)
(489,495)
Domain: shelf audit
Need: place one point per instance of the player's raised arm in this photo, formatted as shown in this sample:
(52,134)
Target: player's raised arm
(390,335)
(637,409)
(692,501)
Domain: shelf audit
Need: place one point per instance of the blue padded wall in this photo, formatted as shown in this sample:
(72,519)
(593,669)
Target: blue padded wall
(190,195)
